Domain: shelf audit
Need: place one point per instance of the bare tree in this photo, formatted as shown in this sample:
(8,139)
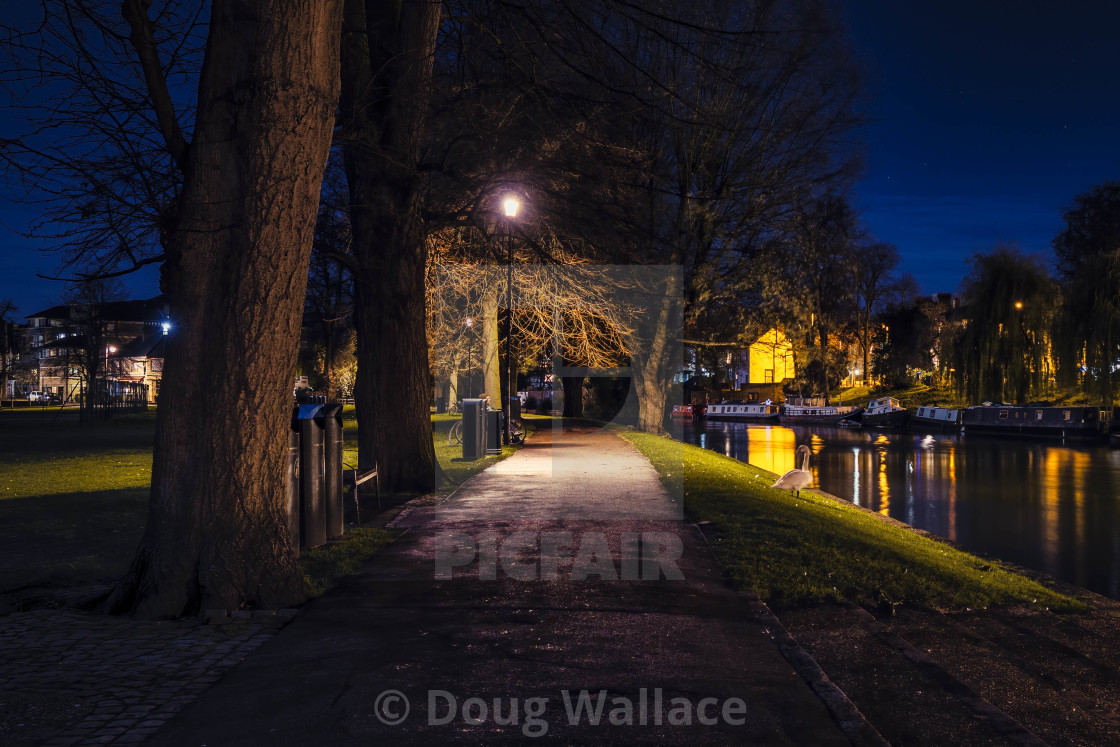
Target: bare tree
(823,235)
(8,352)
(387,62)
(228,184)
(873,266)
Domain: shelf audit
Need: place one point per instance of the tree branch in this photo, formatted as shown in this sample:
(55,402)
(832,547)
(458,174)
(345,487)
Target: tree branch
(143,41)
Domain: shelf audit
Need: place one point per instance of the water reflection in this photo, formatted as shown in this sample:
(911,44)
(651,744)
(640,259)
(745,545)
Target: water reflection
(1042,505)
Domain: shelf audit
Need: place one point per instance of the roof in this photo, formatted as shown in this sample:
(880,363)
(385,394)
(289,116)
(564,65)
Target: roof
(148,346)
(149,310)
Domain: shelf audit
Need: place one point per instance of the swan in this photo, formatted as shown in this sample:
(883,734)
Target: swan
(796,479)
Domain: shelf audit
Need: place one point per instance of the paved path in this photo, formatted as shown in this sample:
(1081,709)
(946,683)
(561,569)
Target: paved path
(507,659)
(67,678)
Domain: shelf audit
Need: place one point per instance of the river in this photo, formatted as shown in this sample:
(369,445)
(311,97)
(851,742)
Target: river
(1043,505)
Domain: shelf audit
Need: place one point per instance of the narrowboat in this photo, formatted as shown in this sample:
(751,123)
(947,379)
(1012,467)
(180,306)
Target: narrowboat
(885,412)
(1078,422)
(742,411)
(933,418)
(685,412)
(808,411)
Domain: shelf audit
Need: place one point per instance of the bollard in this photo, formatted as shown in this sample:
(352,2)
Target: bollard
(313,524)
(331,417)
(293,480)
(493,431)
(474,434)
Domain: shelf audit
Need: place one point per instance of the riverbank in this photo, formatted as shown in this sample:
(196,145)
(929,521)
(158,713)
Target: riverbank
(922,668)
(797,550)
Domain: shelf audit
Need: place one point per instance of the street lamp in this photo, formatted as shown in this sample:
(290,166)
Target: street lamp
(108,349)
(510,206)
(470,342)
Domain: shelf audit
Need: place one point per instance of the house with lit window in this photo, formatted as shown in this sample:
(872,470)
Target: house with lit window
(119,342)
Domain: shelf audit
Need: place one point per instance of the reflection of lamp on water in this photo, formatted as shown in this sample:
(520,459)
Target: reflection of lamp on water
(510,206)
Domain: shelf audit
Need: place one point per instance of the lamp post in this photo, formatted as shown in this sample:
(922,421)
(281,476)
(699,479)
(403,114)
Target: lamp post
(470,343)
(108,349)
(510,206)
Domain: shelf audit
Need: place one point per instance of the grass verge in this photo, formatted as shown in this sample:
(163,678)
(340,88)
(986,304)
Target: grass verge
(73,500)
(791,550)
(325,566)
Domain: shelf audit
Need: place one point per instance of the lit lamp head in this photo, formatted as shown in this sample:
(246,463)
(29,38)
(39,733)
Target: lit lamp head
(469,322)
(510,205)
(1018,304)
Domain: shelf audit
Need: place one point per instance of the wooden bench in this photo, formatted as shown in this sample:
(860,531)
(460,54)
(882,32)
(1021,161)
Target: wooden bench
(353,480)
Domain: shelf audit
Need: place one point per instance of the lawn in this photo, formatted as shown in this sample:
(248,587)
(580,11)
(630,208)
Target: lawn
(73,500)
(791,550)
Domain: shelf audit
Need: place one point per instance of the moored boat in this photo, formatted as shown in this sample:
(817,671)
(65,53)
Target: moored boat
(799,411)
(685,412)
(885,412)
(1075,422)
(742,411)
(934,418)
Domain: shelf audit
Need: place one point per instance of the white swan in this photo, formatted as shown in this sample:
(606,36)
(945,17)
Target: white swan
(796,479)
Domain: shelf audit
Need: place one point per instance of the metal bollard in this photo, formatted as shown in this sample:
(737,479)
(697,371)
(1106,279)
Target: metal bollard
(313,523)
(292,483)
(474,433)
(331,417)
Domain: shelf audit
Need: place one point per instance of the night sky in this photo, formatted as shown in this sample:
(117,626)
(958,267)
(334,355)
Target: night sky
(988,117)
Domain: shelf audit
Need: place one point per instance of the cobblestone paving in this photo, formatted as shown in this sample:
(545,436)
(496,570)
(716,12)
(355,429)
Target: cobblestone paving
(67,678)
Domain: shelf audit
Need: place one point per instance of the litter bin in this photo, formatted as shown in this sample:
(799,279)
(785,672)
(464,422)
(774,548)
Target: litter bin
(493,431)
(312,467)
(515,408)
(474,429)
(331,417)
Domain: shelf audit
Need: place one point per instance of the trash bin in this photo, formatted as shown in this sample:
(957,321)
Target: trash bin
(515,408)
(474,429)
(312,515)
(331,417)
(493,431)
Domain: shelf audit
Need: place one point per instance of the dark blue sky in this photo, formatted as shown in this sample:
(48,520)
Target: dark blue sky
(988,117)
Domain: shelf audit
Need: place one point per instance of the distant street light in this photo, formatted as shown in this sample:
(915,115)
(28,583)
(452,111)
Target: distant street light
(1019,304)
(510,206)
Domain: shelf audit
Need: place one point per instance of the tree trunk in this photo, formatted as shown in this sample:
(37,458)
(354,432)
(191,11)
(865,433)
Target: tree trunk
(387,54)
(573,396)
(655,353)
(824,366)
(238,250)
(491,360)
(865,344)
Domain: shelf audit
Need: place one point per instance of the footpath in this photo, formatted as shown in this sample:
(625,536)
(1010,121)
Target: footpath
(560,596)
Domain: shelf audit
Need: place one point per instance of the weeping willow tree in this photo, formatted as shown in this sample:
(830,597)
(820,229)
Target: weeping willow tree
(1002,350)
(1088,260)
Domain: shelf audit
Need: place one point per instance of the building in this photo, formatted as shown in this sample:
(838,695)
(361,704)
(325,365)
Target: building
(119,342)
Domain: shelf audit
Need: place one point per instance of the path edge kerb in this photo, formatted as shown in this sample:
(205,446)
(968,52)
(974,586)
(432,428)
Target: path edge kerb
(854,725)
